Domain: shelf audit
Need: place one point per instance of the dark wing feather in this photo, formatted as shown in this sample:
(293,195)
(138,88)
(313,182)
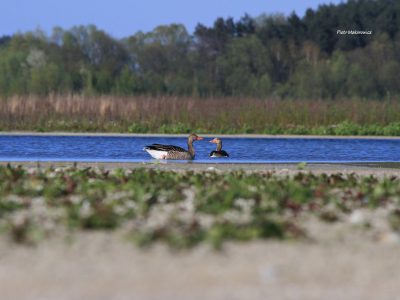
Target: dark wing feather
(224,153)
(159,147)
(221,153)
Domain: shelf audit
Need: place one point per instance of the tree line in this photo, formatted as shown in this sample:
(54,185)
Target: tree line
(265,56)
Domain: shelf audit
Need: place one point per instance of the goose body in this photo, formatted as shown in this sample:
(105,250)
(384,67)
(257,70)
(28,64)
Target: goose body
(159,151)
(218,152)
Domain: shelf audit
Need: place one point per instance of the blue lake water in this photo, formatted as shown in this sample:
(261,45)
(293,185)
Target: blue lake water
(241,150)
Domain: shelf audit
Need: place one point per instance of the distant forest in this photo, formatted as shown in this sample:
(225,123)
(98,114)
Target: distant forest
(266,56)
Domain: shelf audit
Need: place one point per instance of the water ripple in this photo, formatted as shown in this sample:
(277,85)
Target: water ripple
(241,150)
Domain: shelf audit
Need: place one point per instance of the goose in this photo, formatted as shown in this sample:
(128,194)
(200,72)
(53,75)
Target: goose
(218,152)
(159,151)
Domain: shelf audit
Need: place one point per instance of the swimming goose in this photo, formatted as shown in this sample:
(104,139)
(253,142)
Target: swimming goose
(218,152)
(158,151)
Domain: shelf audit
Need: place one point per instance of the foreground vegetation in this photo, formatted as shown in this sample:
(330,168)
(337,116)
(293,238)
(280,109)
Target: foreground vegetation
(183,208)
(79,113)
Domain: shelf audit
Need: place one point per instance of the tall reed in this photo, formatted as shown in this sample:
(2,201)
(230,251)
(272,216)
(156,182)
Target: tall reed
(174,114)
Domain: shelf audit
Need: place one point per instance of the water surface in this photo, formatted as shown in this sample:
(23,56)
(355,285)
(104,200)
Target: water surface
(241,150)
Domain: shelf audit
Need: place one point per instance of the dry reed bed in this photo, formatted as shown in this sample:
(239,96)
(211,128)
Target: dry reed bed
(54,111)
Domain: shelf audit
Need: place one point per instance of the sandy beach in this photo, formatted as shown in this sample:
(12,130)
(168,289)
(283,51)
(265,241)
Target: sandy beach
(339,262)
(377,169)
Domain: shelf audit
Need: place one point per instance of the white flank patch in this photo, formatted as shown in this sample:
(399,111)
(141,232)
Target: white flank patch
(157,154)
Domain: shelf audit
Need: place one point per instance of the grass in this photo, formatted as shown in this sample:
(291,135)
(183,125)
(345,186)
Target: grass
(182,209)
(78,113)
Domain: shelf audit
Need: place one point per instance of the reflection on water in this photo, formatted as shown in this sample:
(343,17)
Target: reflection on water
(241,150)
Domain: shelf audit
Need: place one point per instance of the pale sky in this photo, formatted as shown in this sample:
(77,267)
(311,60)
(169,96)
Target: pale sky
(122,18)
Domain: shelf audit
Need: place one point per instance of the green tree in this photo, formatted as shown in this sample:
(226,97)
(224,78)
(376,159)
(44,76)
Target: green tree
(246,68)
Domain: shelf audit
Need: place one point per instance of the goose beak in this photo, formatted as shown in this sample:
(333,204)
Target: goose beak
(213,141)
(199,138)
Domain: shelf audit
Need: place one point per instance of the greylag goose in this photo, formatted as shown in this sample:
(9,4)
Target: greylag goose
(218,152)
(158,151)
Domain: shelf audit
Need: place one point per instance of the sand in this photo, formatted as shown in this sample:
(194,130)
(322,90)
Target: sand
(339,262)
(377,169)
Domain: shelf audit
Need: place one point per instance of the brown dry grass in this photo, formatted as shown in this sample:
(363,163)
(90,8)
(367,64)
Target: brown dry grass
(146,114)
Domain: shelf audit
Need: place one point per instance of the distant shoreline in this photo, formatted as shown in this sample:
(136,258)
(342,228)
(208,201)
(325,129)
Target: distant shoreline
(270,136)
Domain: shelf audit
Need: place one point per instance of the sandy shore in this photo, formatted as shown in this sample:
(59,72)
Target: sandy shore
(340,262)
(378,169)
